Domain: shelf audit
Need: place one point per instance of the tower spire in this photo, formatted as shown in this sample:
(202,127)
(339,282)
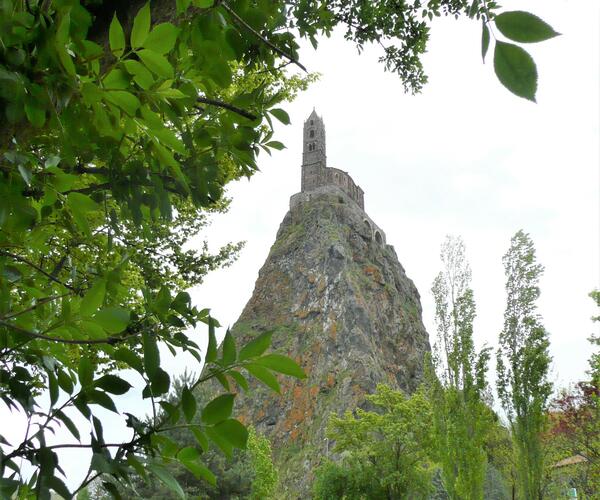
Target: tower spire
(314,151)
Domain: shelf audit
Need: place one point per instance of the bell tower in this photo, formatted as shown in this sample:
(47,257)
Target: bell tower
(314,158)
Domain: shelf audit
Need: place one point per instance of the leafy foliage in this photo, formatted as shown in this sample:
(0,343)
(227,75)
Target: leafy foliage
(385,451)
(461,419)
(574,424)
(522,364)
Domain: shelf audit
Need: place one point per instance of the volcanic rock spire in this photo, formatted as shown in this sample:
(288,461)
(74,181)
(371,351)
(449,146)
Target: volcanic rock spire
(340,304)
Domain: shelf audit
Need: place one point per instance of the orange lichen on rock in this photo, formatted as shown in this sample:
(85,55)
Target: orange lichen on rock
(294,434)
(302,313)
(303,402)
(330,380)
(333,331)
(374,273)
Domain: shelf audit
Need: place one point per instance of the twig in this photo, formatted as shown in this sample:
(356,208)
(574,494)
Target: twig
(37,304)
(107,340)
(37,268)
(225,105)
(262,38)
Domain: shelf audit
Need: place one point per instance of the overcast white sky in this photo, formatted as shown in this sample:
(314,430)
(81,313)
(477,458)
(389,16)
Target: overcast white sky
(465,157)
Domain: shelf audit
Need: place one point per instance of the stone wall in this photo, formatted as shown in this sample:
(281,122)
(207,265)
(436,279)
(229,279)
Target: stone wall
(316,175)
(334,194)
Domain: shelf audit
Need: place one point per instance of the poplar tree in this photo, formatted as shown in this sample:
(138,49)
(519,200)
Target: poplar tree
(522,364)
(461,418)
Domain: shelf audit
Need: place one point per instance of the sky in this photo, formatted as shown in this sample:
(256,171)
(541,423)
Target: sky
(465,157)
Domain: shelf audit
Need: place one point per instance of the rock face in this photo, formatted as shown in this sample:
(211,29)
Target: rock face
(342,306)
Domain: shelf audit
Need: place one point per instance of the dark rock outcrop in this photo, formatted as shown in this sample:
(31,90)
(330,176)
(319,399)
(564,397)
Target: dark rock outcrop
(342,306)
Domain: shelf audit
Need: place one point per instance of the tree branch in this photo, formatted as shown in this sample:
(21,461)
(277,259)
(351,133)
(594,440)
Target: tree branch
(37,304)
(107,340)
(224,105)
(37,268)
(262,38)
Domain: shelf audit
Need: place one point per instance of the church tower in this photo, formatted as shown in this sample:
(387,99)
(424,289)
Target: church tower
(314,157)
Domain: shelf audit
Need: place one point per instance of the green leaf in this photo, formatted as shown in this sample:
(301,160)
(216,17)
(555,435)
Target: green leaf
(211,350)
(224,445)
(160,382)
(65,382)
(239,379)
(200,438)
(85,371)
(140,73)
(485,40)
(25,173)
(113,384)
(182,6)
(188,403)
(116,37)
(276,145)
(68,424)
(116,79)
(35,114)
(94,298)
(79,205)
(256,346)
(156,63)
(281,364)
(281,115)
(218,409)
(524,27)
(229,353)
(200,471)
(189,453)
(57,485)
(168,138)
(102,399)
(113,319)
(233,431)
(141,26)
(162,38)
(167,479)
(204,4)
(126,355)
(264,375)
(53,388)
(11,274)
(124,100)
(151,354)
(516,70)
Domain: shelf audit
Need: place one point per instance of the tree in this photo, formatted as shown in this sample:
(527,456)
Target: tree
(385,451)
(461,419)
(522,364)
(122,125)
(574,424)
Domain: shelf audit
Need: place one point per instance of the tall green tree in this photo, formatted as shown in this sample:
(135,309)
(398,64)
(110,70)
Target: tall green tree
(461,419)
(386,451)
(523,362)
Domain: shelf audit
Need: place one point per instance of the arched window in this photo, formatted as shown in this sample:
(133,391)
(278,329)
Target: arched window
(312,123)
(378,237)
(368,226)
(311,134)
